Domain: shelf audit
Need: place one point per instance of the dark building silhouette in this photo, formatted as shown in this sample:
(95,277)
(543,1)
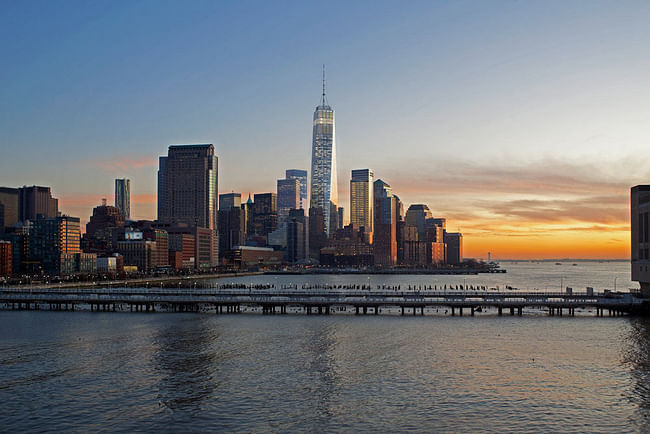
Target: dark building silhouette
(317,234)
(454,246)
(348,247)
(232,231)
(297,236)
(103,230)
(265,213)
(35,201)
(54,242)
(8,206)
(385,225)
(6,253)
(288,197)
(640,237)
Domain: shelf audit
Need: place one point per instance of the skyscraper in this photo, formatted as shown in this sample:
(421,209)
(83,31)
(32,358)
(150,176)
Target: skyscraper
(301,176)
(123,197)
(36,201)
(324,188)
(288,197)
(361,200)
(229,200)
(385,237)
(187,186)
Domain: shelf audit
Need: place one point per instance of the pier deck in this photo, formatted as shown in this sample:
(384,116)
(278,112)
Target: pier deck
(323,301)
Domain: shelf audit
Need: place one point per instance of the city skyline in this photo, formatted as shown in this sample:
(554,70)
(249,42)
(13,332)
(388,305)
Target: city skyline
(525,146)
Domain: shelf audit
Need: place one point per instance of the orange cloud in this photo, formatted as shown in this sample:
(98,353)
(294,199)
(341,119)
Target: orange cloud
(123,163)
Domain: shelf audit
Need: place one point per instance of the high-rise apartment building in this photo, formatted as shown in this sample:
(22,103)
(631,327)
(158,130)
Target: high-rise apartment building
(301,176)
(454,247)
(188,186)
(54,242)
(288,197)
(229,200)
(123,197)
(362,200)
(324,188)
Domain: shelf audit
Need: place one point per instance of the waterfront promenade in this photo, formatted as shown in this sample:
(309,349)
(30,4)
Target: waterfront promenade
(356,299)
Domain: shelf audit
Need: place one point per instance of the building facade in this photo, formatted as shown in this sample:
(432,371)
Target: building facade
(385,234)
(188,186)
(301,176)
(35,202)
(229,200)
(123,197)
(52,241)
(324,188)
(288,198)
(362,201)
(640,237)
(454,246)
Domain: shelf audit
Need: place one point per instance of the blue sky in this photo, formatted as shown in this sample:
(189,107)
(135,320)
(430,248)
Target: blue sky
(431,95)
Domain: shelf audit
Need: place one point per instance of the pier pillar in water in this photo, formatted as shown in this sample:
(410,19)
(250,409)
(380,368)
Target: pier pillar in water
(472,311)
(453,311)
(402,310)
(460,311)
(365,310)
(500,311)
(519,311)
(512,311)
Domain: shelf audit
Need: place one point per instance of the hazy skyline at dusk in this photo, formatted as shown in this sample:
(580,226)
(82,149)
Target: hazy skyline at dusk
(523,123)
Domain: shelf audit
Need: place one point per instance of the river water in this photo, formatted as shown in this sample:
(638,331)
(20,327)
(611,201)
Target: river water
(82,371)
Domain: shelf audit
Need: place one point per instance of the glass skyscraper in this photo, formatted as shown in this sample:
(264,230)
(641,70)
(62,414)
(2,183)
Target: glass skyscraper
(123,197)
(324,188)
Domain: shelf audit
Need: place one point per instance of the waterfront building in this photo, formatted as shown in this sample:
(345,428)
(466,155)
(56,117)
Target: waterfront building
(288,198)
(265,213)
(301,176)
(324,187)
(6,253)
(181,250)
(297,236)
(229,200)
(348,247)
(187,186)
(139,253)
(454,246)
(231,229)
(640,237)
(385,232)
(317,234)
(247,257)
(53,241)
(417,216)
(8,207)
(123,197)
(103,229)
(161,253)
(362,200)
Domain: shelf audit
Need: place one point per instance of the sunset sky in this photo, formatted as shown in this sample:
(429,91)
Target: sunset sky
(523,123)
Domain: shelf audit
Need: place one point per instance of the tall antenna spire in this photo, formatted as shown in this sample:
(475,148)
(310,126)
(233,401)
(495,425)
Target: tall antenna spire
(323,99)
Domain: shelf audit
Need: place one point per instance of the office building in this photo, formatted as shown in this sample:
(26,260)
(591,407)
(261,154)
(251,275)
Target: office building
(6,253)
(265,213)
(324,188)
(341,222)
(247,208)
(53,242)
(232,231)
(187,186)
(229,200)
(385,233)
(297,236)
(454,248)
(104,228)
(123,197)
(362,200)
(640,237)
(301,176)
(317,235)
(8,206)
(35,202)
(288,198)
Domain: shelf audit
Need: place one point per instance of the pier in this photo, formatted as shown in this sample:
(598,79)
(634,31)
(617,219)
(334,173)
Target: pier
(269,300)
